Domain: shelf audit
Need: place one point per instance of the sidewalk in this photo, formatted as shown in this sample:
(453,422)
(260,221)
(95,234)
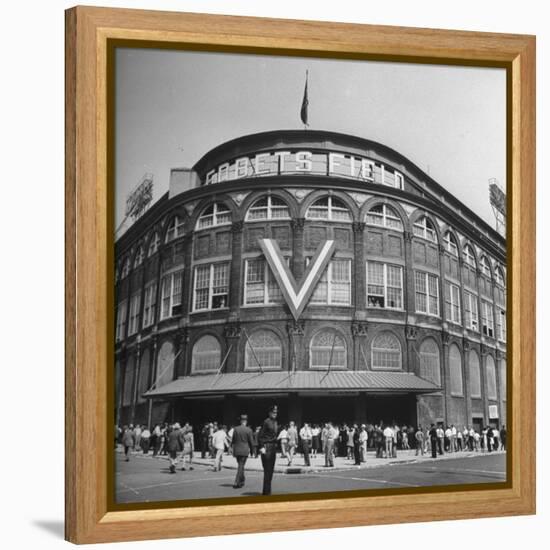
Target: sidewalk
(318,462)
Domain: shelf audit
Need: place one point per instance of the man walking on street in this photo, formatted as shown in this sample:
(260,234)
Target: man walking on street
(419,436)
(292,434)
(219,442)
(434,439)
(242,444)
(267,439)
(306,436)
(331,434)
(174,445)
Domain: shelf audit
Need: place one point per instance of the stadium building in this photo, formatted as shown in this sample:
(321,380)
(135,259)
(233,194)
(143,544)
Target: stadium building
(324,272)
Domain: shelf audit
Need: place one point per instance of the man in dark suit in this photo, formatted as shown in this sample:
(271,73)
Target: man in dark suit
(242,444)
(174,445)
(267,439)
(434,440)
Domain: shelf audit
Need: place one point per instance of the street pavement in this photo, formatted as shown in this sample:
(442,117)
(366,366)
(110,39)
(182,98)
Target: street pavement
(147,479)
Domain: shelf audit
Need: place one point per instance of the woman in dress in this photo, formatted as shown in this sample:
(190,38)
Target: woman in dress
(188,448)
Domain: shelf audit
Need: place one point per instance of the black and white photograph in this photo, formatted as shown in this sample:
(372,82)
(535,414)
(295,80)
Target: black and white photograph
(310,276)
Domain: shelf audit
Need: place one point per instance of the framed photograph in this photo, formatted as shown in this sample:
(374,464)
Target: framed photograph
(300,272)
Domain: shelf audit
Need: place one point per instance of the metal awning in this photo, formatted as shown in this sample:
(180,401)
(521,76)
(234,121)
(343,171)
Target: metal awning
(300,381)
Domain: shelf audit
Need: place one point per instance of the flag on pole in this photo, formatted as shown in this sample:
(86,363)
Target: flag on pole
(305,103)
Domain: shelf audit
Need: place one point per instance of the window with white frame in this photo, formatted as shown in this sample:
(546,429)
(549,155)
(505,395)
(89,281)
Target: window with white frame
(334,286)
(470,310)
(138,260)
(455,368)
(485,267)
(501,324)
(384,285)
(135,303)
(170,293)
(206,355)
(215,214)
(452,301)
(154,244)
(475,374)
(491,378)
(263,351)
(430,361)
(399,180)
(120,320)
(149,304)
(260,285)
(330,209)
(450,244)
(487,323)
(328,350)
(211,290)
(175,229)
(268,208)
(424,228)
(426,293)
(386,352)
(384,216)
(468,255)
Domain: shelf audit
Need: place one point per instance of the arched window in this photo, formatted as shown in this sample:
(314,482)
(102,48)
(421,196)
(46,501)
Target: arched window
(450,244)
(385,216)
(206,354)
(139,257)
(328,350)
(329,208)
(263,351)
(475,374)
(175,229)
(469,257)
(165,364)
(215,214)
(430,361)
(499,277)
(485,267)
(425,229)
(455,368)
(386,352)
(125,268)
(491,378)
(268,208)
(154,244)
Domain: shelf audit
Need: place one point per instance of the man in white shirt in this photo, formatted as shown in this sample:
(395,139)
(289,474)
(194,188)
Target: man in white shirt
(449,437)
(219,442)
(453,439)
(388,437)
(331,434)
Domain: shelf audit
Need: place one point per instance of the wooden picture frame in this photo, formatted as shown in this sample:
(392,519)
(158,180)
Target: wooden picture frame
(89,260)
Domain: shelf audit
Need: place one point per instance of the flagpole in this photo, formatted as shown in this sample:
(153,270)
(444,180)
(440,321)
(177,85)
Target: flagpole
(305,104)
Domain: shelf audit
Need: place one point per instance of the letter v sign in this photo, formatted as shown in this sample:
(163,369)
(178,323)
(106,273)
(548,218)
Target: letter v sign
(297,295)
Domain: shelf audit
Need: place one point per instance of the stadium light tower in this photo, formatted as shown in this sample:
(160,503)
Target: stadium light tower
(497,198)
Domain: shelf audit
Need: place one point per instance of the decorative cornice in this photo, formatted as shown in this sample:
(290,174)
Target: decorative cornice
(411,332)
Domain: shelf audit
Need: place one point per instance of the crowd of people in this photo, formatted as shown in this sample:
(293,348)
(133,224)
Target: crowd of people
(351,441)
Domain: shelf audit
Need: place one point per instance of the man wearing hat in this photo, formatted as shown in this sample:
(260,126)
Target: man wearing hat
(267,439)
(242,444)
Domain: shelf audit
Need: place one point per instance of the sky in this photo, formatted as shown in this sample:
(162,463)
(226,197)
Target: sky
(174,106)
